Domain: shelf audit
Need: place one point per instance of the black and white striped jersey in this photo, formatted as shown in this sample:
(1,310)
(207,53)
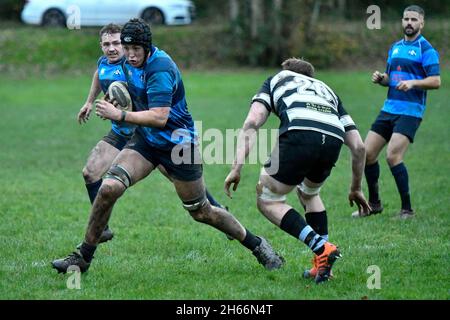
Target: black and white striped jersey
(304,103)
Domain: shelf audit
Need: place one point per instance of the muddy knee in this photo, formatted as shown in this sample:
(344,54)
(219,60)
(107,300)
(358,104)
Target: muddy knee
(198,208)
(109,191)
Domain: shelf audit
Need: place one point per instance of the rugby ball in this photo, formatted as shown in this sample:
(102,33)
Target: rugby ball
(118,90)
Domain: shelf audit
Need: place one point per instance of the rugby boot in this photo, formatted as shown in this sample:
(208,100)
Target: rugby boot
(375,209)
(266,256)
(107,235)
(75,259)
(311,273)
(325,262)
(406,214)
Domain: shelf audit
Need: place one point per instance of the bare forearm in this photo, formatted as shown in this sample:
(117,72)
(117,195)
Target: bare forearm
(146,118)
(358,163)
(95,89)
(256,117)
(245,143)
(428,83)
(356,145)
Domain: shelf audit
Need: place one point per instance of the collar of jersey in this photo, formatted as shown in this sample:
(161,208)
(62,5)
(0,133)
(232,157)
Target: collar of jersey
(408,43)
(154,50)
(115,63)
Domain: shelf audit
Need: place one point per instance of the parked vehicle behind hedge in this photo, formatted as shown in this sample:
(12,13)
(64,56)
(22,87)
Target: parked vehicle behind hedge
(101,12)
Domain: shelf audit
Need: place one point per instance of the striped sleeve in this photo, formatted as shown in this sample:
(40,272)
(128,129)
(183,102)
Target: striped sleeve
(430,62)
(263,96)
(345,118)
(159,89)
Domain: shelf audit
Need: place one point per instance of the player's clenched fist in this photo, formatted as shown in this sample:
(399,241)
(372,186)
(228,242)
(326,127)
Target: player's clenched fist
(377,77)
(106,110)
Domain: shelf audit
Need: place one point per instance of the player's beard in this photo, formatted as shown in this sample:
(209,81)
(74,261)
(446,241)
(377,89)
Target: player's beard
(410,31)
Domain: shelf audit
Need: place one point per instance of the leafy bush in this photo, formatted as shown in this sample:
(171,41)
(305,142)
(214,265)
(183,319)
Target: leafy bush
(337,45)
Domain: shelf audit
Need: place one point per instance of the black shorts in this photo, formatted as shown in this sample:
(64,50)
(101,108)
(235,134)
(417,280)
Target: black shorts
(190,169)
(387,123)
(116,140)
(303,154)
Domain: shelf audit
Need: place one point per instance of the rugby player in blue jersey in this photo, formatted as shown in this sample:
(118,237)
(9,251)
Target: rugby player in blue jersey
(165,135)
(412,69)
(313,127)
(109,69)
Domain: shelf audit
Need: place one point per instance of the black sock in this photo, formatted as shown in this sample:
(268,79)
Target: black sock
(251,241)
(92,189)
(212,200)
(372,172)
(87,251)
(319,222)
(400,174)
(294,224)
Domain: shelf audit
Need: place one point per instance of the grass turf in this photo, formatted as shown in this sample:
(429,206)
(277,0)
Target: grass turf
(159,252)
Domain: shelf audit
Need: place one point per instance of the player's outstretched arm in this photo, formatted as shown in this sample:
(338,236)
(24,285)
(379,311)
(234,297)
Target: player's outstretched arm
(256,117)
(94,91)
(354,142)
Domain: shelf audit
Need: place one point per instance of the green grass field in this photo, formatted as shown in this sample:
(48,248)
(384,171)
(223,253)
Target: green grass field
(159,252)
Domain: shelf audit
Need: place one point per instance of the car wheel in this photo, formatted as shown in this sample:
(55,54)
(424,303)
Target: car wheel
(153,16)
(54,18)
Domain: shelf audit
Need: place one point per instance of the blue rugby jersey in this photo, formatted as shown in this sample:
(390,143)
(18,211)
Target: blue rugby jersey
(107,74)
(158,83)
(409,60)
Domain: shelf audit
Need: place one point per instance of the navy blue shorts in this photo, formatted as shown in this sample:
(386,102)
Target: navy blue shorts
(303,154)
(387,123)
(189,170)
(116,140)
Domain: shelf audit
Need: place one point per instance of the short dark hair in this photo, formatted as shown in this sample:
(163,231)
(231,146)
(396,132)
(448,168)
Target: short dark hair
(299,66)
(415,8)
(110,29)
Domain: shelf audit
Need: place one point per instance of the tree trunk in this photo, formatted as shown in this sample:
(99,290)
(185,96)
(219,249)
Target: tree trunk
(279,42)
(313,20)
(277,5)
(342,5)
(234,10)
(257,18)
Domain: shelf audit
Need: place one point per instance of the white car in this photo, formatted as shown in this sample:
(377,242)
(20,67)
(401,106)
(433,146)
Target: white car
(101,12)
